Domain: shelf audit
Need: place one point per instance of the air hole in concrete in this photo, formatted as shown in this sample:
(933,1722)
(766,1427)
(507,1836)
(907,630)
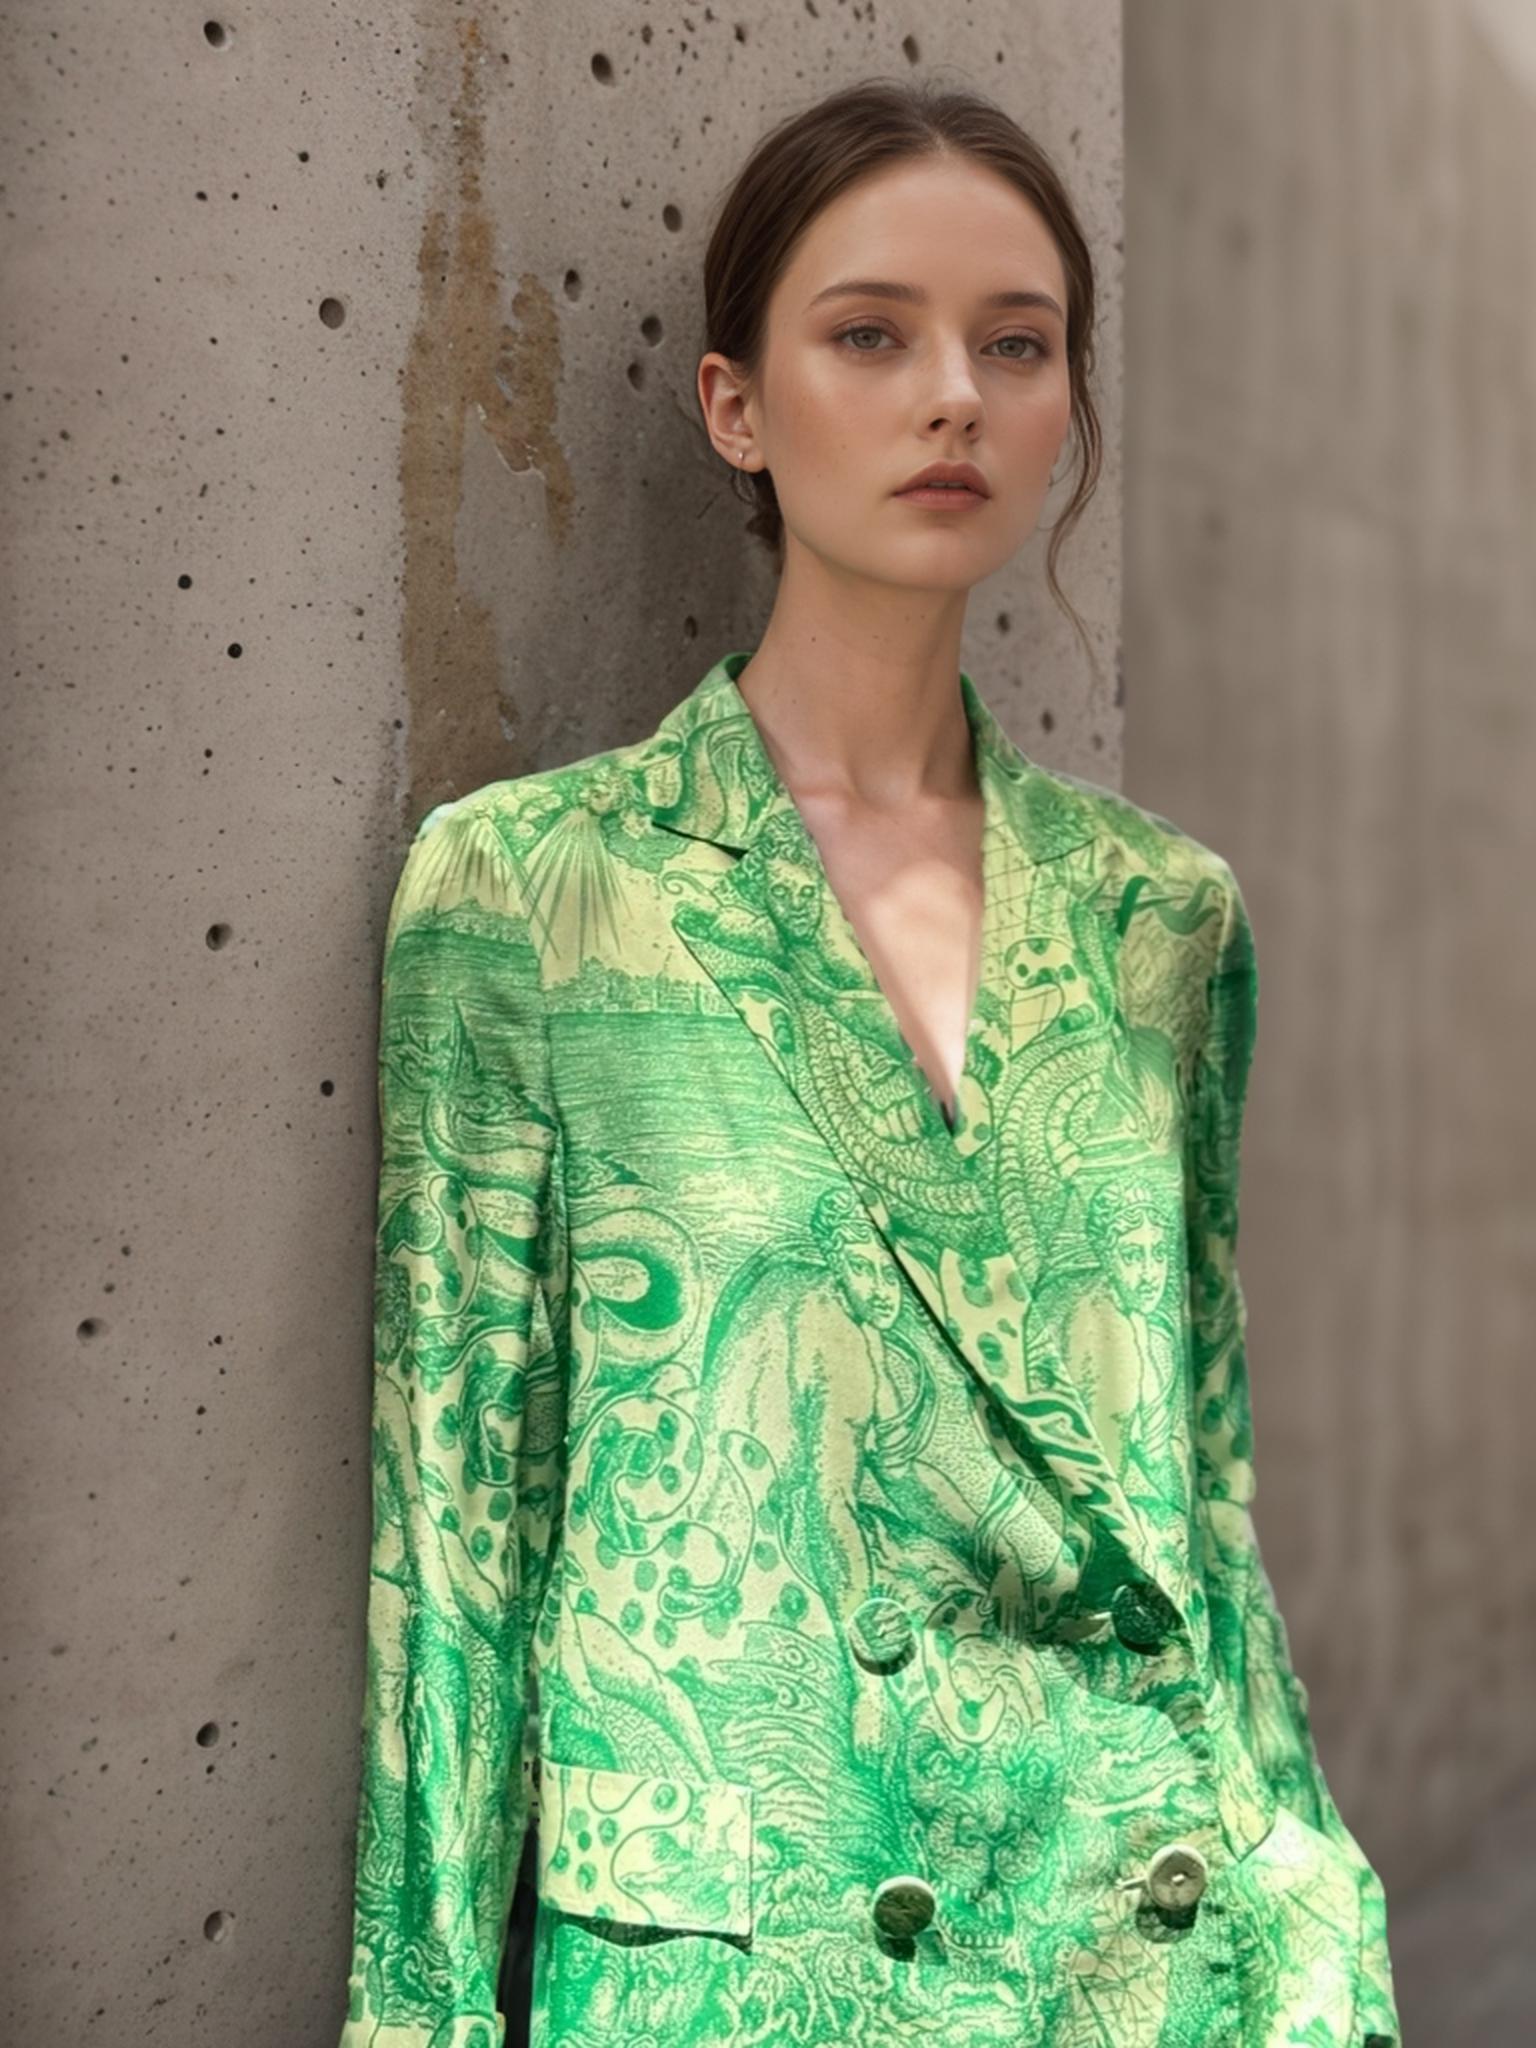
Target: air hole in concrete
(1048,720)
(602,70)
(1005,622)
(671,218)
(183,582)
(88,1327)
(234,650)
(327,1087)
(909,49)
(635,374)
(650,327)
(218,935)
(332,312)
(217,1925)
(573,284)
(217,34)
(208,1734)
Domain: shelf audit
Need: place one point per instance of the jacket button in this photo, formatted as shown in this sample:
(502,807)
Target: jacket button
(1176,1875)
(881,1632)
(1090,1626)
(1143,1615)
(903,1905)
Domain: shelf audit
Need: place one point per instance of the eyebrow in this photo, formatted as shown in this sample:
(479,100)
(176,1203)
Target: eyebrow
(911,294)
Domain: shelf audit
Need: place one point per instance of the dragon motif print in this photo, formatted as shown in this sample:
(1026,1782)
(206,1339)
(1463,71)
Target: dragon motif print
(819,1531)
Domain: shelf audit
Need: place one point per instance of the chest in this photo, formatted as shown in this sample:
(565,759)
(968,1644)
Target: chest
(910,886)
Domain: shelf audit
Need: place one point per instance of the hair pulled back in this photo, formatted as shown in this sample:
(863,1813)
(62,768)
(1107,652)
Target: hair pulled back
(802,165)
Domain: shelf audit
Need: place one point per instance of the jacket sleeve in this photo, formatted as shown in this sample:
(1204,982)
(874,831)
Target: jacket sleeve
(467,1441)
(1249,1638)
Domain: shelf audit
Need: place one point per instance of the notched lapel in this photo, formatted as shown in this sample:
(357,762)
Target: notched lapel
(983,1220)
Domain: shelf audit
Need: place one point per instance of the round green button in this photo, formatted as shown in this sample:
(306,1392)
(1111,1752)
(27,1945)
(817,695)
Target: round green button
(1143,1615)
(903,1906)
(881,1632)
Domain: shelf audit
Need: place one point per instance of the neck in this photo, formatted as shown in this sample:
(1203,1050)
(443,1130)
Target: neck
(868,730)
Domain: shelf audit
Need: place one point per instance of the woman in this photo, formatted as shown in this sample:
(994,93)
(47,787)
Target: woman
(812,1448)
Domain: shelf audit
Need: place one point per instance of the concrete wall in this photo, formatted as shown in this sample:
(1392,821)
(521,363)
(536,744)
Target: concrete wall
(349,395)
(1330,632)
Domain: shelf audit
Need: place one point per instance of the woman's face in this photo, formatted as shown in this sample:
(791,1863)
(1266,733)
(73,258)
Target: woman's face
(857,390)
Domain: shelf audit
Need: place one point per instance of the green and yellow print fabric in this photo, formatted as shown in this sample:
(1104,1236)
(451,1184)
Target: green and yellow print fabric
(829,1530)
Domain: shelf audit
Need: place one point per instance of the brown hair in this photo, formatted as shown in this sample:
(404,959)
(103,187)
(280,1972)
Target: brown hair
(800,166)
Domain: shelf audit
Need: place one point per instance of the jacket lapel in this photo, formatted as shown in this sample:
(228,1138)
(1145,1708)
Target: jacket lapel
(981,1218)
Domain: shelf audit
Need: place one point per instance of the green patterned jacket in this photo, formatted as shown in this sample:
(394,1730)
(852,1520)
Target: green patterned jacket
(824,1533)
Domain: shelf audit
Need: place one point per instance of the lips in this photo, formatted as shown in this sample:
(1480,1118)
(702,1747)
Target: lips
(942,497)
(944,475)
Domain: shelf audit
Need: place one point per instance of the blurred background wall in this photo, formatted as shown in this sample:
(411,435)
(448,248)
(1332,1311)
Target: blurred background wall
(355,460)
(1330,652)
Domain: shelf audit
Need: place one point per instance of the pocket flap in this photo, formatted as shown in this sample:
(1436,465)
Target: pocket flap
(655,1852)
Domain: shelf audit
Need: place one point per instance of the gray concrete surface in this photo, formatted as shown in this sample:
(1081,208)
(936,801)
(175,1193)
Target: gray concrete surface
(355,461)
(1461,1938)
(1331,643)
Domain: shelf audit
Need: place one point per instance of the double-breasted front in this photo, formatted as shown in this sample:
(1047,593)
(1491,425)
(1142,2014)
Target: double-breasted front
(831,1529)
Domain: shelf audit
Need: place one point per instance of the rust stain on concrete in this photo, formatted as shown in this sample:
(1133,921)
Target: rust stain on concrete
(466,365)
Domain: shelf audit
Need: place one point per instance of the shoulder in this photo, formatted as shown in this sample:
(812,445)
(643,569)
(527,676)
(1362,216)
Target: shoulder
(1194,892)
(520,809)
(1146,839)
